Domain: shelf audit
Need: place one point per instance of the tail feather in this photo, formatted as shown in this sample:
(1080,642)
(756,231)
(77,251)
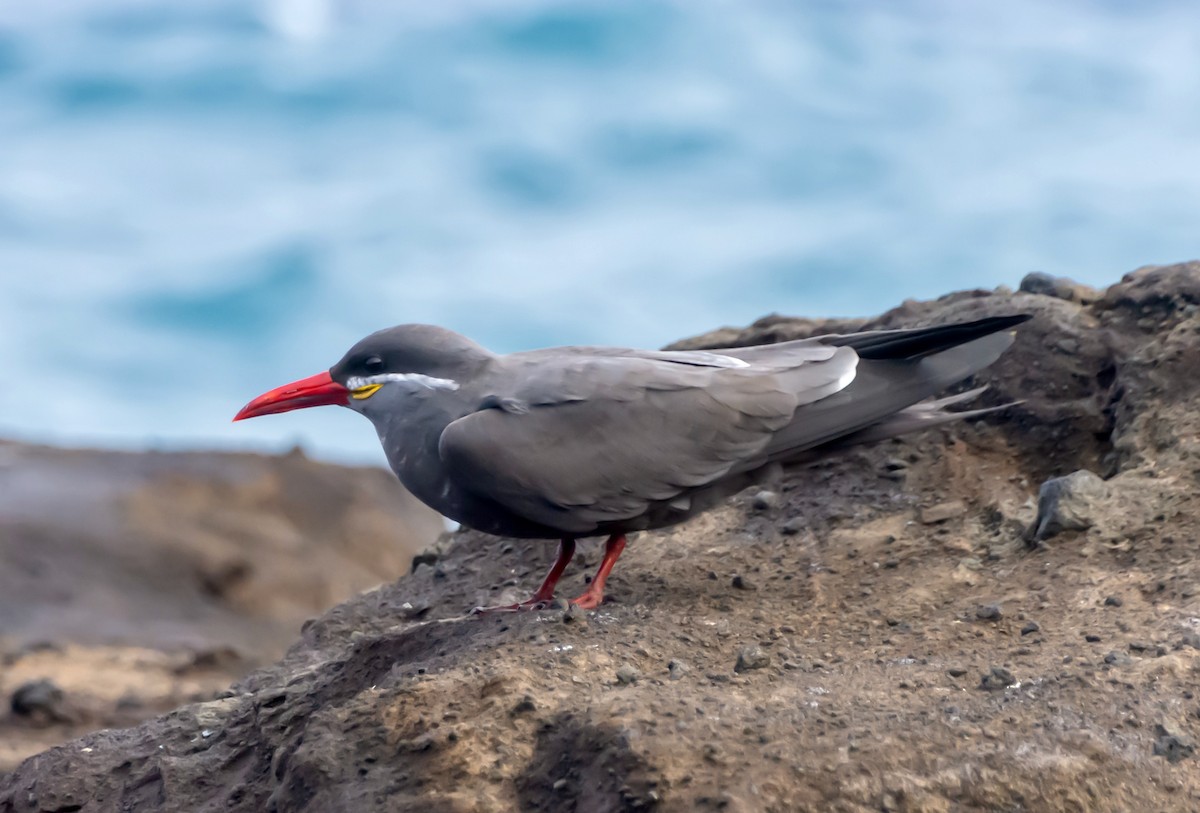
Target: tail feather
(924,415)
(885,390)
(921,342)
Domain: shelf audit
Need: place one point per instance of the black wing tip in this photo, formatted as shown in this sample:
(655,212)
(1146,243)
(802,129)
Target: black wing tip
(918,342)
(1011,320)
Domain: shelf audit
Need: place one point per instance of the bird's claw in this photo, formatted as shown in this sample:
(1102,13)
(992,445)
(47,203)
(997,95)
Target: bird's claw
(531,605)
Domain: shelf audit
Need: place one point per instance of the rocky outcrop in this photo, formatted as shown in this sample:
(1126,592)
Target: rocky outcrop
(879,635)
(137,582)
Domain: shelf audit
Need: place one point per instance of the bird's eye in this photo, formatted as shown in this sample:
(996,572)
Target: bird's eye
(373,365)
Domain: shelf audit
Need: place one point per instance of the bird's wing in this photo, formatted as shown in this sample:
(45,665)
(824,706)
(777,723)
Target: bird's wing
(592,439)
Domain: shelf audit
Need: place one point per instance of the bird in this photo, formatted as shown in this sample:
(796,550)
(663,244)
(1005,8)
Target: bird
(567,443)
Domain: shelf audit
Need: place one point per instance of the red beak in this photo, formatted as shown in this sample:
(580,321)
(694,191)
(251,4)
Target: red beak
(316,390)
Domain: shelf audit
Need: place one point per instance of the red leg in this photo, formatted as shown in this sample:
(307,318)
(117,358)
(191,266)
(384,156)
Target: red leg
(593,597)
(545,593)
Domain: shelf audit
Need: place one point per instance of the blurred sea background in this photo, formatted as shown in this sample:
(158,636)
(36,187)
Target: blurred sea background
(203,199)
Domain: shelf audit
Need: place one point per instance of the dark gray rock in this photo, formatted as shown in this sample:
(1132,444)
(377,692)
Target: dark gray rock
(39,700)
(1064,288)
(989,612)
(997,679)
(1072,503)
(574,614)
(1172,743)
(751,657)
(627,674)
(740,582)
(793,526)
(942,512)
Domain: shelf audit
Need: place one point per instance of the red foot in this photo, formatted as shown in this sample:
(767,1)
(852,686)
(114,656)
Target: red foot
(592,598)
(588,601)
(545,594)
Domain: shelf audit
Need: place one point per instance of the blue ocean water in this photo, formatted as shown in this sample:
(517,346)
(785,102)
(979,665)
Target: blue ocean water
(202,199)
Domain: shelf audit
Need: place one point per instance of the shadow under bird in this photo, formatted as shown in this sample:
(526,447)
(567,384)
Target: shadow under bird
(573,442)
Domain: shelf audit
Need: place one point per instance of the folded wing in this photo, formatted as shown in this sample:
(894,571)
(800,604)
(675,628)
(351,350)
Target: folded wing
(588,440)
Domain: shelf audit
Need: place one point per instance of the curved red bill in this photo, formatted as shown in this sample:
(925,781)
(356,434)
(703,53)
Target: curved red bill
(316,390)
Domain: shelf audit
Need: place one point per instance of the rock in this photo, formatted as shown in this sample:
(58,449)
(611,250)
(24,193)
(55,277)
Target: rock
(740,582)
(412,611)
(1064,288)
(373,711)
(525,705)
(793,526)
(219,550)
(1030,627)
(751,657)
(1172,743)
(1113,601)
(427,558)
(1157,650)
(942,512)
(765,500)
(1071,503)
(988,612)
(627,675)
(997,679)
(574,614)
(40,700)
(1155,288)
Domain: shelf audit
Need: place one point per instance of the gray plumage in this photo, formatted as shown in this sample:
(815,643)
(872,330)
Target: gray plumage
(581,441)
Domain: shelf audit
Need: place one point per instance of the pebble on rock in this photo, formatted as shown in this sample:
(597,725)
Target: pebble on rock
(676,670)
(1071,503)
(942,512)
(574,614)
(1113,601)
(997,679)
(627,674)
(428,558)
(988,612)
(764,500)
(1172,744)
(1031,627)
(740,582)
(525,705)
(792,527)
(751,657)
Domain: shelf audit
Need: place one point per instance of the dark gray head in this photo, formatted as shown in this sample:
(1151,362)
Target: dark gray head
(386,372)
(395,365)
